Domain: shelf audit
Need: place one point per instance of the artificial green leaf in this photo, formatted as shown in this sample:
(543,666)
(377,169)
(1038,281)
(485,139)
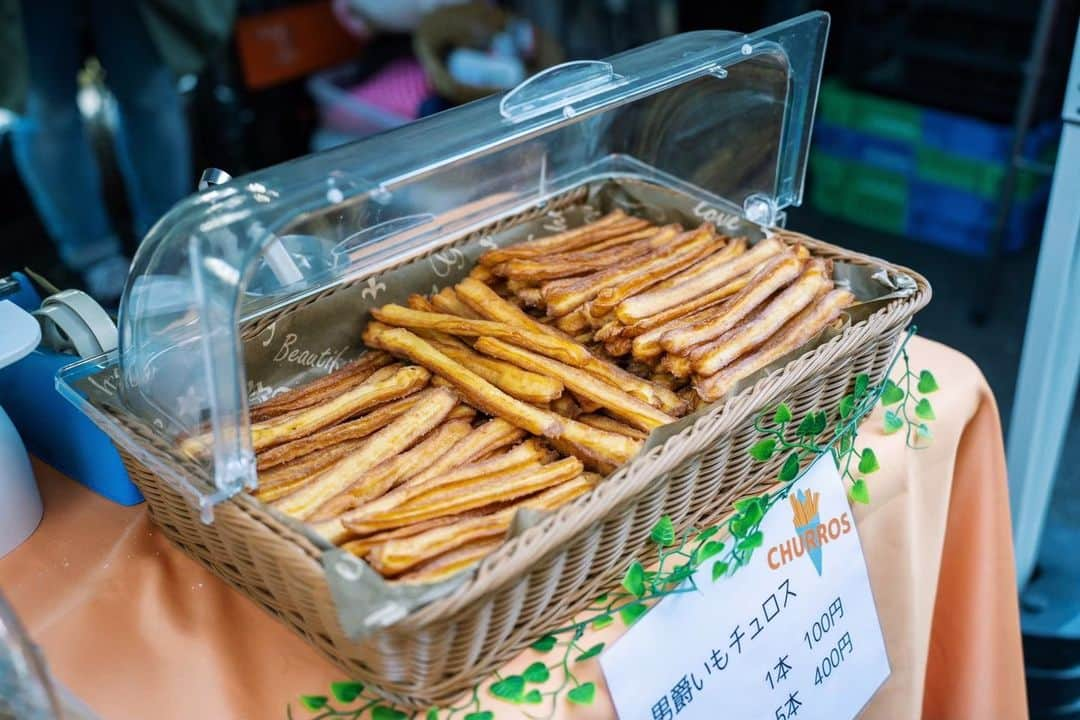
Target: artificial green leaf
(544,644)
(806,427)
(762,450)
(536,673)
(891,393)
(737,526)
(821,421)
(846,442)
(860,493)
(601,600)
(432,714)
(783,413)
(483,715)
(583,694)
(346,691)
(663,532)
(927,382)
(924,409)
(709,549)
(602,622)
(719,569)
(753,512)
(893,422)
(634,580)
(511,688)
(591,652)
(868,462)
(313,702)
(382,712)
(923,430)
(790,468)
(862,383)
(847,404)
(706,534)
(533,697)
(630,614)
(752,541)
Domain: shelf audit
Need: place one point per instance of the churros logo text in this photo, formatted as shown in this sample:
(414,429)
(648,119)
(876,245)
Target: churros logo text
(812,534)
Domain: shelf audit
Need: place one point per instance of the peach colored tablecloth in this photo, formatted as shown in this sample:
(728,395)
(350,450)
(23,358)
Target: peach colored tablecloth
(138,630)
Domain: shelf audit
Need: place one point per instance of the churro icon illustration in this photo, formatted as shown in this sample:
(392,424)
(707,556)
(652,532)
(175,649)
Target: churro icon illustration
(804,506)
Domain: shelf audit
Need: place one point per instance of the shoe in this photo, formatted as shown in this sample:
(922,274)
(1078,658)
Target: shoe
(105,279)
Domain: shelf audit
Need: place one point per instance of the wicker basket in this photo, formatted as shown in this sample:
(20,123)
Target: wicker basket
(542,577)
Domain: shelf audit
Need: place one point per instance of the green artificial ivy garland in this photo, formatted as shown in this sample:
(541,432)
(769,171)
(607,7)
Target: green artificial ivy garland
(680,555)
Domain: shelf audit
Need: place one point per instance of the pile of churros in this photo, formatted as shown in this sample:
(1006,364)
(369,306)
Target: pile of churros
(524,384)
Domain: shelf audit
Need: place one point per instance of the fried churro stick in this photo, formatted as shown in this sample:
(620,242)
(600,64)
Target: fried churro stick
(493,435)
(573,323)
(599,447)
(479,392)
(678,365)
(655,301)
(646,347)
(396,437)
(484,301)
(297,424)
(386,475)
(483,274)
(614,223)
(592,258)
(351,430)
(647,333)
(446,566)
(617,347)
(701,242)
(656,395)
(566,406)
(637,413)
(280,481)
(794,334)
(502,488)
(530,297)
(604,422)
(546,342)
(522,384)
(563,296)
(395,556)
(361,545)
(714,355)
(446,300)
(317,391)
(529,453)
(776,273)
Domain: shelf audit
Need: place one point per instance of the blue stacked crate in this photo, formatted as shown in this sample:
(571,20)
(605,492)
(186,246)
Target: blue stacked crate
(931,175)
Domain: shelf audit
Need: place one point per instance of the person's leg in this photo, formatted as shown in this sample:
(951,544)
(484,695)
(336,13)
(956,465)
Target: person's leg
(49,142)
(152,140)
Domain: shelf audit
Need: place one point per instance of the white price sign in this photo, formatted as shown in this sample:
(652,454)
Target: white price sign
(793,634)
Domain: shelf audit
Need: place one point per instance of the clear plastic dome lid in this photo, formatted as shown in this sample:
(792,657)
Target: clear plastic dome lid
(726,112)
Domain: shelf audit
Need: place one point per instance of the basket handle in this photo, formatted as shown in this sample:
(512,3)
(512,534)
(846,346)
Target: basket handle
(559,87)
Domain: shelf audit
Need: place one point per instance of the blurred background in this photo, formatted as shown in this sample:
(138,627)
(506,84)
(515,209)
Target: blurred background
(934,145)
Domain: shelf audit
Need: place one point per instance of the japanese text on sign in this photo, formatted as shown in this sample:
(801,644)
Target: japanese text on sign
(768,641)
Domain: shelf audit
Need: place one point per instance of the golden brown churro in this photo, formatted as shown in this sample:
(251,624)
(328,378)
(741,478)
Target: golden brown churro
(712,356)
(388,474)
(322,389)
(795,333)
(652,302)
(397,555)
(629,408)
(419,420)
(279,481)
(560,348)
(477,391)
(774,275)
(450,564)
(613,224)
